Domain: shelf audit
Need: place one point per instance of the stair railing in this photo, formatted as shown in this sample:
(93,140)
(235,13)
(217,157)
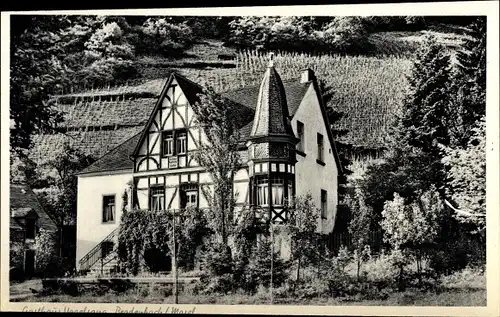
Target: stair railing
(95,254)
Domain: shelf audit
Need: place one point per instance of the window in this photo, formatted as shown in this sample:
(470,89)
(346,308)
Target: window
(262,193)
(189,195)
(277,191)
(108,208)
(30,228)
(320,147)
(174,142)
(168,143)
(290,189)
(300,134)
(181,142)
(324,205)
(157,198)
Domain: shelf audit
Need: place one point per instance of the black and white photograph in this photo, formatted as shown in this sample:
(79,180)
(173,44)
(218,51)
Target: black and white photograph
(273,159)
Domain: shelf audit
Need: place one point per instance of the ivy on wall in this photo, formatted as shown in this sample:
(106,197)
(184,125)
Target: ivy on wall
(145,240)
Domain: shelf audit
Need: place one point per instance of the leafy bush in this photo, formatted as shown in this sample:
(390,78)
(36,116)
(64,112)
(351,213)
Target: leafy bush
(48,262)
(258,271)
(217,259)
(380,269)
(109,70)
(451,255)
(345,35)
(469,277)
(218,284)
(16,257)
(394,23)
(108,42)
(163,36)
(217,266)
(148,235)
(340,35)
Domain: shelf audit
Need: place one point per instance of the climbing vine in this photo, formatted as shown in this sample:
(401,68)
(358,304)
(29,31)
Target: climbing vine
(145,239)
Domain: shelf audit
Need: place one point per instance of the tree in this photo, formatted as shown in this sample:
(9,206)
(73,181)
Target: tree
(164,35)
(472,57)
(468,97)
(404,170)
(423,121)
(303,222)
(58,191)
(59,172)
(36,74)
(411,227)
(466,178)
(47,259)
(219,156)
(359,226)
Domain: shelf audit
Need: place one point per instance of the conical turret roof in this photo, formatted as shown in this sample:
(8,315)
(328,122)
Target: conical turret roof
(271,114)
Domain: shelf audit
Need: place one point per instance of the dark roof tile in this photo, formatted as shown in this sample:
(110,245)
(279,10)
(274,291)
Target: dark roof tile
(116,159)
(23,200)
(244,103)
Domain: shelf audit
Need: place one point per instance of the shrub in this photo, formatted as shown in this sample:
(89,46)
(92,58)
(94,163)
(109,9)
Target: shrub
(217,259)
(163,36)
(217,266)
(345,35)
(16,258)
(48,262)
(380,269)
(467,278)
(337,34)
(450,257)
(107,70)
(219,284)
(258,270)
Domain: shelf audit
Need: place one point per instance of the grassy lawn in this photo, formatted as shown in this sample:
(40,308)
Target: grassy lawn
(466,287)
(451,297)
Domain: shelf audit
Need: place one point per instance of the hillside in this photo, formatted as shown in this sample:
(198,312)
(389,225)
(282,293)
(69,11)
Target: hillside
(368,90)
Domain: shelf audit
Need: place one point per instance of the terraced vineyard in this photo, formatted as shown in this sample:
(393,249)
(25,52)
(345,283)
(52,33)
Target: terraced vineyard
(368,90)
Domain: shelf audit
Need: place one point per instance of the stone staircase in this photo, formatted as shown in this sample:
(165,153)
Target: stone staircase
(102,260)
(104,267)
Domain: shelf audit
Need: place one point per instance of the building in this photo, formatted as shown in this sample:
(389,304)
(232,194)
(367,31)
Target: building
(27,218)
(286,148)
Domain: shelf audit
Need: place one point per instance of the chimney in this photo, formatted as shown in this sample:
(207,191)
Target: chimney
(307,75)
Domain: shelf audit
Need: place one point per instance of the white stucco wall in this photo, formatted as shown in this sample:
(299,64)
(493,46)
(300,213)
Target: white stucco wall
(311,177)
(90,229)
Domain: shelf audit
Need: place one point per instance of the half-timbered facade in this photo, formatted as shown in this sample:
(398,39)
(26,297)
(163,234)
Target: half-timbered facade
(286,150)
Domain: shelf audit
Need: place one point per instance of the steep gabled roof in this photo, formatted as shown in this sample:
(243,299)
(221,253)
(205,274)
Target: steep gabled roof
(23,201)
(188,87)
(244,102)
(116,159)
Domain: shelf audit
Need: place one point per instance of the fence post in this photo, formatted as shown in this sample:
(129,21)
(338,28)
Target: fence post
(174,260)
(272,259)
